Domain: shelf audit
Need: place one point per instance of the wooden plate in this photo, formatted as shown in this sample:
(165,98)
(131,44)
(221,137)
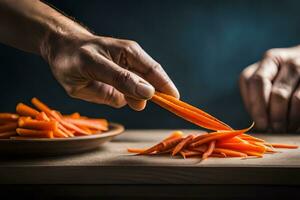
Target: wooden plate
(59,146)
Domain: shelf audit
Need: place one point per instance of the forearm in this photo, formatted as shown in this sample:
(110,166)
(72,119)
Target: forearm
(29,24)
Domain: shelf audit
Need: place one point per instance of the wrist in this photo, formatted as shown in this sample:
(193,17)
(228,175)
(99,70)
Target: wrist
(60,33)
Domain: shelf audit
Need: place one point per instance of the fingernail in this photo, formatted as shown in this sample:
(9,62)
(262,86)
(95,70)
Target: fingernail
(278,127)
(145,90)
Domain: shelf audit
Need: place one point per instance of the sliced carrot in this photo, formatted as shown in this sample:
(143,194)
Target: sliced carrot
(99,124)
(25,110)
(190,107)
(132,150)
(250,137)
(283,146)
(8,134)
(34,133)
(220,135)
(229,152)
(209,150)
(188,153)
(243,147)
(42,117)
(182,144)
(189,115)
(9,117)
(36,124)
(60,134)
(8,127)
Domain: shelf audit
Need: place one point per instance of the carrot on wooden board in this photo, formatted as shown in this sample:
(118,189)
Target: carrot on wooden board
(220,135)
(229,152)
(189,115)
(189,153)
(8,134)
(34,133)
(209,150)
(190,107)
(243,146)
(182,144)
(8,127)
(283,146)
(36,124)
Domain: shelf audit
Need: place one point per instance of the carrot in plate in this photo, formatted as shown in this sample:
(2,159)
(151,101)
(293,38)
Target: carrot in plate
(25,110)
(36,124)
(8,134)
(8,127)
(34,133)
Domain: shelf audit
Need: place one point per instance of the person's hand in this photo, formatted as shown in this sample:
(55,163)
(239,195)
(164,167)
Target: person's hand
(271,91)
(106,70)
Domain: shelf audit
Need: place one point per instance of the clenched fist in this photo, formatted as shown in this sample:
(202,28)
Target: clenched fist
(271,91)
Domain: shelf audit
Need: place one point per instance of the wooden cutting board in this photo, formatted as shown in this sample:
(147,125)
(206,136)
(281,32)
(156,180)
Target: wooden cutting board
(112,164)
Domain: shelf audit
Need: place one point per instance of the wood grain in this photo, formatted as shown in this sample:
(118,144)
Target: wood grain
(111,164)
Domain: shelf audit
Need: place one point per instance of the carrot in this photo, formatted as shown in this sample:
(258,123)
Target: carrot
(162,146)
(59,133)
(132,150)
(220,135)
(209,150)
(284,146)
(188,153)
(190,107)
(99,124)
(249,137)
(34,133)
(65,131)
(230,153)
(182,144)
(39,125)
(8,127)
(189,115)
(42,117)
(25,110)
(9,117)
(8,134)
(243,147)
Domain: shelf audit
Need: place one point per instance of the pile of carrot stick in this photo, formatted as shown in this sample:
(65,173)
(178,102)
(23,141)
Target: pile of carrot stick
(41,121)
(222,142)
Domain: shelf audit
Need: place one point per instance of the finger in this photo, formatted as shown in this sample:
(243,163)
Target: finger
(139,61)
(260,85)
(100,93)
(294,114)
(282,90)
(99,68)
(135,104)
(244,84)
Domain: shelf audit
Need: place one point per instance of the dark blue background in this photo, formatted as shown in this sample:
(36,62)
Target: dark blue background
(203,45)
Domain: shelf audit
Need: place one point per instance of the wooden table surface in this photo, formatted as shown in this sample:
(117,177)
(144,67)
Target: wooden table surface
(111,164)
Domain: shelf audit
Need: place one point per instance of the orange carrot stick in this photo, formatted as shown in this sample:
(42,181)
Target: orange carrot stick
(209,150)
(188,153)
(99,124)
(34,133)
(182,144)
(42,117)
(132,150)
(284,146)
(250,137)
(60,134)
(25,110)
(243,147)
(220,135)
(39,125)
(9,117)
(8,134)
(230,153)
(189,115)
(190,107)
(8,127)
(163,146)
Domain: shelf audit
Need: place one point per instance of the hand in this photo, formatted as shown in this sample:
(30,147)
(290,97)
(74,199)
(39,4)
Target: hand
(271,91)
(106,70)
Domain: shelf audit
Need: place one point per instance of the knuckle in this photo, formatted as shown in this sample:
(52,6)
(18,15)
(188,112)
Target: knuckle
(271,53)
(256,79)
(153,69)
(122,77)
(280,93)
(72,92)
(294,66)
(131,46)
